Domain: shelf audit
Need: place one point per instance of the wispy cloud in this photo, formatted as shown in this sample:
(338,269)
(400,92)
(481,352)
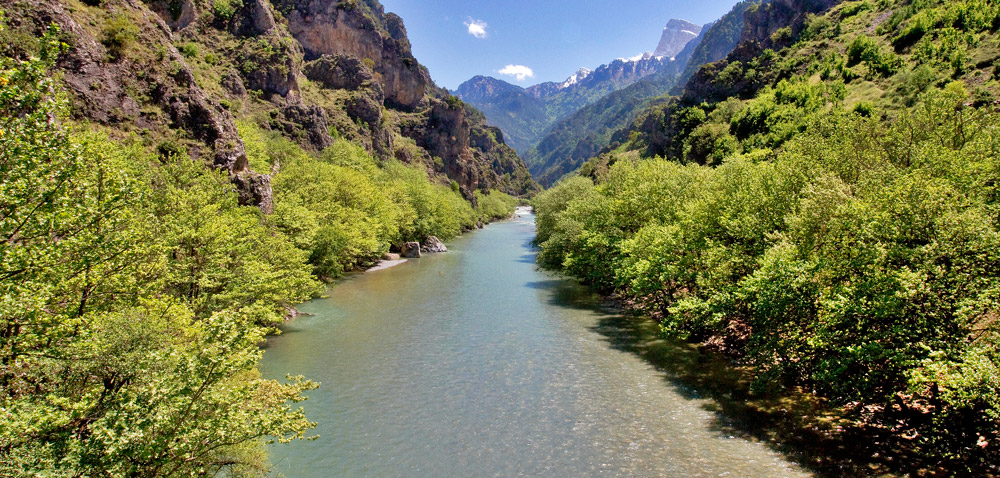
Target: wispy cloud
(477,28)
(520,72)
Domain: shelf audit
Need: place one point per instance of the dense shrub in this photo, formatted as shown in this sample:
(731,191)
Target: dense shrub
(860,261)
(347,211)
(134,294)
(119,35)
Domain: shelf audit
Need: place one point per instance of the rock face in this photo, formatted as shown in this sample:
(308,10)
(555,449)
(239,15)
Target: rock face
(113,89)
(432,244)
(311,120)
(248,63)
(354,47)
(341,72)
(411,250)
(676,35)
(352,28)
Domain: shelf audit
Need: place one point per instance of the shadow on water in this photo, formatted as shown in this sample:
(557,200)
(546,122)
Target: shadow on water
(793,424)
(530,258)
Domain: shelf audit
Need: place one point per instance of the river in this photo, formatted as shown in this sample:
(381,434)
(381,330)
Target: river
(475,363)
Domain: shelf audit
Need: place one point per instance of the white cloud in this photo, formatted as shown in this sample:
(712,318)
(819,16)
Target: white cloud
(520,72)
(477,28)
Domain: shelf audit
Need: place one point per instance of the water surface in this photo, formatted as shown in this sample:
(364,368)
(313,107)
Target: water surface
(475,363)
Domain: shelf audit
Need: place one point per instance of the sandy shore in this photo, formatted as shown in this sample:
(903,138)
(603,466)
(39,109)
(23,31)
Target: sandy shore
(386,264)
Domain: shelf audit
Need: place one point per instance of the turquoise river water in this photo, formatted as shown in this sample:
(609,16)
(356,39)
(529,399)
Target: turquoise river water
(475,363)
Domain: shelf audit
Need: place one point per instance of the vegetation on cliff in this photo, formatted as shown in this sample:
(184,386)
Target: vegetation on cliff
(821,206)
(135,291)
(145,256)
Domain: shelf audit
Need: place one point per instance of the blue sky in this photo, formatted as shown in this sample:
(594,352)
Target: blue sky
(458,39)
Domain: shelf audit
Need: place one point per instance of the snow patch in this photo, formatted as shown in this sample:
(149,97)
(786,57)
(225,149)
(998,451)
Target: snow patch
(577,77)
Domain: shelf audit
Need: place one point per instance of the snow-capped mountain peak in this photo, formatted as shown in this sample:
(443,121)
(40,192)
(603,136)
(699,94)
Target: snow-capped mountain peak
(576,78)
(676,36)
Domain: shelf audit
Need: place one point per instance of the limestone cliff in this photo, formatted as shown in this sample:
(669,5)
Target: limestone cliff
(116,85)
(357,48)
(676,35)
(179,73)
(362,31)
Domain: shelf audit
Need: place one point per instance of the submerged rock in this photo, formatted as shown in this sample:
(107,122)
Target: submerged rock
(433,244)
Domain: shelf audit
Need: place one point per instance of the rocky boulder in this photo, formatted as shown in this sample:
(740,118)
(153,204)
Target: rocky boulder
(411,250)
(254,19)
(365,108)
(432,244)
(254,189)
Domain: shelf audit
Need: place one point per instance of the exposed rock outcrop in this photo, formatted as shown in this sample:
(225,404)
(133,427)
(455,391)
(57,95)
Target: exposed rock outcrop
(255,189)
(353,45)
(301,119)
(269,64)
(676,35)
(341,72)
(411,250)
(323,27)
(433,245)
(254,19)
(112,89)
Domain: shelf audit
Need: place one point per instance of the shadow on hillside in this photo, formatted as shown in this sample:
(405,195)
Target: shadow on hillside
(794,424)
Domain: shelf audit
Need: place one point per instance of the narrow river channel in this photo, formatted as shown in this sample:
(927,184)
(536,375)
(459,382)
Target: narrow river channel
(474,363)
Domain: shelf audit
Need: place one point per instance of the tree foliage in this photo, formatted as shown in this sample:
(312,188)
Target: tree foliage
(346,210)
(133,297)
(859,259)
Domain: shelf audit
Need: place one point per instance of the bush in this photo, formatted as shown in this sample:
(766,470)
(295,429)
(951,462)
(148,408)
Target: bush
(119,36)
(859,260)
(880,62)
(225,9)
(189,50)
(494,205)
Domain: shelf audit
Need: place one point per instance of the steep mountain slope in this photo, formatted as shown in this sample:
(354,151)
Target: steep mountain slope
(520,115)
(585,87)
(305,68)
(526,113)
(718,39)
(577,138)
(676,35)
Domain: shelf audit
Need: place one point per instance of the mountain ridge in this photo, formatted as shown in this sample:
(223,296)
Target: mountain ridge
(527,114)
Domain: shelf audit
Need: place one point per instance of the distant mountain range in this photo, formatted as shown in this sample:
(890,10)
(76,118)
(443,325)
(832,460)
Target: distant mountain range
(525,114)
(556,125)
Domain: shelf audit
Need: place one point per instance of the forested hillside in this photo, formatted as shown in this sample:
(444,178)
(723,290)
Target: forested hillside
(172,186)
(573,140)
(822,207)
